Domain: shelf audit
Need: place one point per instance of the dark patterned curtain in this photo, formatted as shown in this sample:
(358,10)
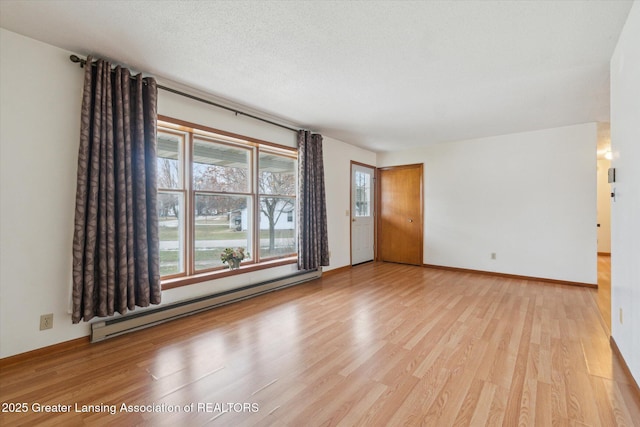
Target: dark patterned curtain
(313,246)
(115,243)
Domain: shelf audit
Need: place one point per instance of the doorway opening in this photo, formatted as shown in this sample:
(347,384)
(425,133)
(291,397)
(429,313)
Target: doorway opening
(604,223)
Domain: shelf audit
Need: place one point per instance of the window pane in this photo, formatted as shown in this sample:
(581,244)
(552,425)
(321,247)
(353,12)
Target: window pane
(220,167)
(277,175)
(169,161)
(363,194)
(221,222)
(171,226)
(277,226)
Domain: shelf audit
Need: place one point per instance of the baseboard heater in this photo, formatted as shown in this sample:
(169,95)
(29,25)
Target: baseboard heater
(105,329)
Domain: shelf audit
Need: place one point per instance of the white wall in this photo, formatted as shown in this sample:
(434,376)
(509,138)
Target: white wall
(39,137)
(625,210)
(40,99)
(529,197)
(180,107)
(604,207)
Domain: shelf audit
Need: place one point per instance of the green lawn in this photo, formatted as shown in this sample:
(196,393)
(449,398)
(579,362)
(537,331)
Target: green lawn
(207,231)
(204,258)
(207,258)
(212,228)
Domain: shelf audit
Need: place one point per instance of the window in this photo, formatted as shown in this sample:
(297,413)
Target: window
(363,193)
(216,191)
(277,189)
(171,202)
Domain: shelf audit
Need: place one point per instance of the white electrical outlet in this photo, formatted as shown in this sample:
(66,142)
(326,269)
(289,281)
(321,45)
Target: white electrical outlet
(46,321)
(621,315)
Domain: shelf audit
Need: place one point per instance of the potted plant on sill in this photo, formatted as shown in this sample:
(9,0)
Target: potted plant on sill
(233,257)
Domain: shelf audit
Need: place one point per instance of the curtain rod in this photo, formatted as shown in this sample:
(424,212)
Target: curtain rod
(83,62)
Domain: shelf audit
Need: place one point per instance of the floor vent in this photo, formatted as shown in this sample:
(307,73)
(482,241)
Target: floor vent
(111,328)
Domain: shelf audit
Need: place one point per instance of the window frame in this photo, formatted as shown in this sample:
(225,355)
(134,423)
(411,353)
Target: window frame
(260,195)
(193,132)
(182,191)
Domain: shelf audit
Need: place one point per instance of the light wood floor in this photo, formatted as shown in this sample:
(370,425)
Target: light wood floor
(378,345)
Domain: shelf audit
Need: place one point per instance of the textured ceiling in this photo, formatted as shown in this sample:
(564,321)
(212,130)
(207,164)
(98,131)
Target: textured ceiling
(382,75)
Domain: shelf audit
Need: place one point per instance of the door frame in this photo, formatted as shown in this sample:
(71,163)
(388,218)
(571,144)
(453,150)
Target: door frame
(419,166)
(374,210)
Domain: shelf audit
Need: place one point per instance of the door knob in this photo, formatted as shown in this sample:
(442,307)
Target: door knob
(410,220)
(353,220)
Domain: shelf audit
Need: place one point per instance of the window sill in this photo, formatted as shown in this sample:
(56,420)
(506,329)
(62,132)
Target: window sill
(218,274)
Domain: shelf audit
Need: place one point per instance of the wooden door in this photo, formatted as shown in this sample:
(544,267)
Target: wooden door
(400,221)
